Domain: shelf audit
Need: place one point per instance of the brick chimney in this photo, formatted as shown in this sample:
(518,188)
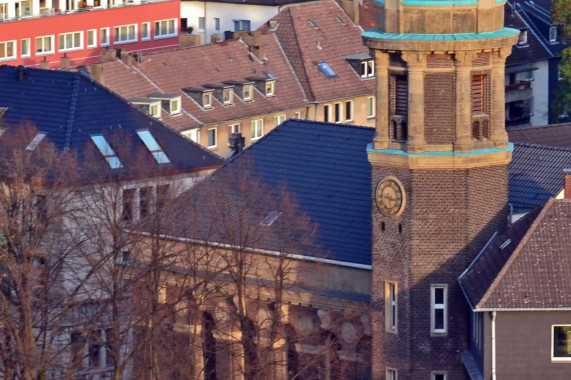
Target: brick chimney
(567,190)
(254,41)
(64,63)
(108,55)
(45,64)
(127,58)
(96,72)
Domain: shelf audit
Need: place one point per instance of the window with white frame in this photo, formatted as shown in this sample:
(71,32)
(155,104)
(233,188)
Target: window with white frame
(3,10)
(270,87)
(44,45)
(104,36)
(175,107)
(326,112)
(391,311)
(92,38)
(216,24)
(70,41)
(279,119)
(124,34)
(155,109)
(165,28)
(201,23)
(234,128)
(349,110)
(561,350)
(207,100)
(257,128)
(298,115)
(522,41)
(439,375)
(25,48)
(391,374)
(227,96)
(247,92)
(193,134)
(337,112)
(242,25)
(145,31)
(371,106)
(7,50)
(438,309)
(212,138)
(553,33)
(36,141)
(368,69)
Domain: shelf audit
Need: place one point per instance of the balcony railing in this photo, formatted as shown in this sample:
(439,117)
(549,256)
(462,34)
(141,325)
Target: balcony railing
(522,85)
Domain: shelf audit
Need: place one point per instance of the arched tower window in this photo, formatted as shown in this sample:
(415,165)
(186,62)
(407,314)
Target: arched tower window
(398,105)
(209,346)
(480,94)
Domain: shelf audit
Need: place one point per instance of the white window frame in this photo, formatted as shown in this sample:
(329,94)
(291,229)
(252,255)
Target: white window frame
(193,135)
(4,45)
(367,68)
(278,119)
(351,109)
(248,93)
(270,88)
(227,96)
(118,32)
(216,24)
(75,37)
(391,374)
(438,306)
(553,357)
(3,10)
(145,31)
(175,106)
(155,110)
(105,36)
(257,129)
(371,106)
(44,52)
(207,100)
(201,23)
(338,112)
(23,52)
(553,34)
(433,375)
(93,43)
(327,113)
(160,33)
(522,40)
(215,137)
(391,307)
(234,128)
(240,25)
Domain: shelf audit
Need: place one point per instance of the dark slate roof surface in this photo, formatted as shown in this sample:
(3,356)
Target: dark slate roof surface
(534,50)
(552,134)
(536,174)
(326,167)
(69,107)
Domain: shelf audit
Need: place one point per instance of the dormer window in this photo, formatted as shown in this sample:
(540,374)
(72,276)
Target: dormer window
(227,96)
(175,106)
(170,102)
(36,141)
(522,38)
(553,34)
(153,146)
(368,69)
(107,152)
(247,93)
(155,110)
(270,86)
(207,100)
(151,106)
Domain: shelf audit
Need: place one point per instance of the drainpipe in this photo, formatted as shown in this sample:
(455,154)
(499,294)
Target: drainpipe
(493,316)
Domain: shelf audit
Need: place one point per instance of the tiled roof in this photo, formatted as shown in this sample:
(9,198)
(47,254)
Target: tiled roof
(322,32)
(536,174)
(170,71)
(536,274)
(325,166)
(69,107)
(368,15)
(552,134)
(274,3)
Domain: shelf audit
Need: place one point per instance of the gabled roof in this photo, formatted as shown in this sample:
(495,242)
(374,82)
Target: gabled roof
(326,168)
(528,267)
(536,174)
(170,71)
(552,134)
(317,32)
(273,3)
(70,108)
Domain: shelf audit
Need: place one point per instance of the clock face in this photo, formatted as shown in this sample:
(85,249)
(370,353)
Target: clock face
(390,196)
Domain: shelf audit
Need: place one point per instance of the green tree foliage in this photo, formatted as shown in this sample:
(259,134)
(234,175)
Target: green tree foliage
(561,16)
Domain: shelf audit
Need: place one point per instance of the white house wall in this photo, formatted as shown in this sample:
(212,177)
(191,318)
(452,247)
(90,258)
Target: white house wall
(540,86)
(227,13)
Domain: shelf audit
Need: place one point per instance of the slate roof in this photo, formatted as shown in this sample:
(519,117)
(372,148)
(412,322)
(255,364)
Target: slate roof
(321,32)
(533,271)
(536,174)
(325,166)
(170,71)
(552,134)
(69,107)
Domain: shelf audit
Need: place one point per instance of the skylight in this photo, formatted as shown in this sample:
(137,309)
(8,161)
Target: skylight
(107,151)
(326,69)
(270,218)
(35,142)
(153,146)
(313,23)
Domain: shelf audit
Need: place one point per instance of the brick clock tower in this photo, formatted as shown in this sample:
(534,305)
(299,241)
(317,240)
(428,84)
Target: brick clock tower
(439,173)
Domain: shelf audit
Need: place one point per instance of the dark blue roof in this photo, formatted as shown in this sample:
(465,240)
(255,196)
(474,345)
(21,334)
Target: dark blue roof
(536,174)
(69,107)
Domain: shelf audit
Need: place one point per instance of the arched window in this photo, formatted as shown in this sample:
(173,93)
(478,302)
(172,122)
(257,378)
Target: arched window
(209,346)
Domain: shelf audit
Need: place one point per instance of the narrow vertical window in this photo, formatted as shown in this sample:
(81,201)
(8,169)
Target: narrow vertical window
(25,48)
(92,38)
(127,203)
(391,306)
(477,94)
(212,138)
(371,106)
(438,301)
(326,112)
(145,31)
(145,199)
(391,374)
(348,111)
(338,112)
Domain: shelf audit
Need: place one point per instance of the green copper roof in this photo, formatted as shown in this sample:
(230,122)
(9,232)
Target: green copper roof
(477,152)
(380,35)
(436,2)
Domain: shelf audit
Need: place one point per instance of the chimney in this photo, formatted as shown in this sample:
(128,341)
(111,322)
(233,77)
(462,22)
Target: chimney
(97,72)
(45,64)
(127,58)
(64,63)
(21,72)
(254,41)
(108,55)
(236,143)
(273,23)
(567,189)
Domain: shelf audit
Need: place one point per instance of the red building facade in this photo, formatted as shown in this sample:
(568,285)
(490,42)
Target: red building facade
(82,33)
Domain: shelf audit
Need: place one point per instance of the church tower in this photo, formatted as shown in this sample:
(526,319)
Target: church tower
(439,175)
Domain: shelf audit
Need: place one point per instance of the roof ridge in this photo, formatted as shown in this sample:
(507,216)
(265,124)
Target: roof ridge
(516,252)
(534,145)
(72,109)
(285,57)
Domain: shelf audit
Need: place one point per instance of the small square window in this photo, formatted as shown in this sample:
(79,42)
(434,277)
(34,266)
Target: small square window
(234,128)
(439,375)
(212,138)
(278,120)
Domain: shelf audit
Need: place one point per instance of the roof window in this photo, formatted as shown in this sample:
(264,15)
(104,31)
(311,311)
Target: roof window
(151,106)
(553,34)
(269,88)
(36,141)
(107,152)
(153,146)
(522,38)
(270,218)
(326,69)
(340,19)
(312,22)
